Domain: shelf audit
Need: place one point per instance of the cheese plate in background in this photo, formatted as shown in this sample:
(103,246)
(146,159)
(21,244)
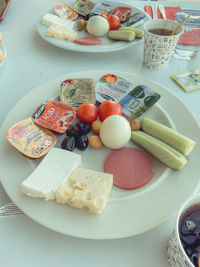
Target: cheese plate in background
(127,213)
(108,45)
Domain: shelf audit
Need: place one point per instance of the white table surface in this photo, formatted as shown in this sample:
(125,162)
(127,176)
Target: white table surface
(30,62)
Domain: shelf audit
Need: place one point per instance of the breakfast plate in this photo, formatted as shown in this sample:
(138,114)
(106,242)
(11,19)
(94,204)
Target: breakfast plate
(107,45)
(128,212)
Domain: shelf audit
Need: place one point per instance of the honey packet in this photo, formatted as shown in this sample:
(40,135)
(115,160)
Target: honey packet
(65,11)
(188,80)
(30,139)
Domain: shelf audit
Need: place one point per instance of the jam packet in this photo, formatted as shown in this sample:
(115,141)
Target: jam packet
(112,87)
(30,139)
(189,80)
(54,115)
(75,92)
(83,7)
(65,11)
(122,12)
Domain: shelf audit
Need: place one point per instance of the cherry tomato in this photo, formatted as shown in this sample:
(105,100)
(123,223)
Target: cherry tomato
(108,108)
(114,22)
(87,112)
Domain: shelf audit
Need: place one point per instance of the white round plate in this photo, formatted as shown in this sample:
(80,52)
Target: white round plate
(2,47)
(128,212)
(107,44)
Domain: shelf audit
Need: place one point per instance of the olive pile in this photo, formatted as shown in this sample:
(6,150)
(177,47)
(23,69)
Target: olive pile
(76,136)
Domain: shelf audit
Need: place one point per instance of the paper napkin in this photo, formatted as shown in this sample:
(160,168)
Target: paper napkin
(169,11)
(190,37)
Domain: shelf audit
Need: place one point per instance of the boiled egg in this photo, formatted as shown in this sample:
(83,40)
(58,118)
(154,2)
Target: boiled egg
(97,26)
(115,132)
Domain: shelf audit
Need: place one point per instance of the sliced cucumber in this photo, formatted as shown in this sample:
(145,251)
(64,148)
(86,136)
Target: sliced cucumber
(122,35)
(178,141)
(138,33)
(165,153)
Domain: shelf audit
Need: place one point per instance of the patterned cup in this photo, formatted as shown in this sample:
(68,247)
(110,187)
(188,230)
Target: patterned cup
(158,48)
(175,251)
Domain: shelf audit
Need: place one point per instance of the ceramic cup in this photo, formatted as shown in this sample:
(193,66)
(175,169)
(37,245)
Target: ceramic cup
(175,251)
(158,48)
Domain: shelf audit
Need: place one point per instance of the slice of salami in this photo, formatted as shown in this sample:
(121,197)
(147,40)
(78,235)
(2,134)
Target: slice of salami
(88,40)
(131,167)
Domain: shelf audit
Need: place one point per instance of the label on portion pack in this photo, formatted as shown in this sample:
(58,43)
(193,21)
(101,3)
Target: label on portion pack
(64,11)
(138,100)
(30,139)
(122,12)
(75,92)
(103,7)
(112,87)
(54,115)
(83,7)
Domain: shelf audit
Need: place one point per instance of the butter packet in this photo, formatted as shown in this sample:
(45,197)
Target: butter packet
(189,80)
(138,100)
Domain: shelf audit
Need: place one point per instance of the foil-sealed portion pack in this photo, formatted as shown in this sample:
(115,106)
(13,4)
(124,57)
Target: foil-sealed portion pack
(54,115)
(30,139)
(77,91)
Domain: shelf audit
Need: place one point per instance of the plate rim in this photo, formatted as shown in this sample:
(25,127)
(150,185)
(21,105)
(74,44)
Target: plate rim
(92,73)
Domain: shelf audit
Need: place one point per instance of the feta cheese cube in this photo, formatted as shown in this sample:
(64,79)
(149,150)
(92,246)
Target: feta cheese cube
(49,19)
(50,173)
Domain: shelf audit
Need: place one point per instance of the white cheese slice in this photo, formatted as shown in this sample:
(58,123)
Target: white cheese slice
(56,31)
(86,188)
(50,173)
(49,19)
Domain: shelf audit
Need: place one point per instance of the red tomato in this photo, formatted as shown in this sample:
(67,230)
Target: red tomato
(114,22)
(87,112)
(108,108)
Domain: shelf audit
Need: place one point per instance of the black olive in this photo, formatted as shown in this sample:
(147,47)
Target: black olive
(72,131)
(69,143)
(84,127)
(89,16)
(82,142)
